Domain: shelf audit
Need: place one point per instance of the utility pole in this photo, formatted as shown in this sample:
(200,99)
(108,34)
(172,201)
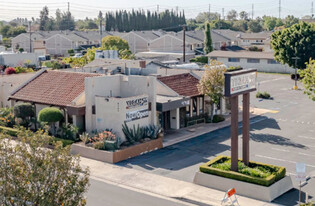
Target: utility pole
(158,9)
(253,11)
(295,76)
(69,15)
(177,10)
(312,10)
(101,32)
(30,30)
(279,9)
(209,12)
(184,43)
(68,6)
(223,14)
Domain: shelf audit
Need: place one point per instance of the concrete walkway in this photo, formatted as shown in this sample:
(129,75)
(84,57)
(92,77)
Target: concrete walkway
(158,185)
(163,186)
(176,136)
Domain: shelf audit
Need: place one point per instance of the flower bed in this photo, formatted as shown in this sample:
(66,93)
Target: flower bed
(258,181)
(257,173)
(117,155)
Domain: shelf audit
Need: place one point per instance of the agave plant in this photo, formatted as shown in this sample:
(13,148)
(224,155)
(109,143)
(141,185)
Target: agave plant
(152,131)
(133,134)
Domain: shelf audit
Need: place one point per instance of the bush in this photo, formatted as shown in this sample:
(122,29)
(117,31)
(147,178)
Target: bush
(263,95)
(257,173)
(231,68)
(69,132)
(65,142)
(7,118)
(200,59)
(133,135)
(24,110)
(105,140)
(10,70)
(23,70)
(9,131)
(217,118)
(50,115)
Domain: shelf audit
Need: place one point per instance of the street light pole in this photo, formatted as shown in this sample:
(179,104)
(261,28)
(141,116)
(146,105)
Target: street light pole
(295,77)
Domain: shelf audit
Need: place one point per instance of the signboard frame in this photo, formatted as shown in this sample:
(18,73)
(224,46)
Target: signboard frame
(227,86)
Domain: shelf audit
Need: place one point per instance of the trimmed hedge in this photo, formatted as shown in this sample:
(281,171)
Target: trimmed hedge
(50,115)
(9,131)
(279,172)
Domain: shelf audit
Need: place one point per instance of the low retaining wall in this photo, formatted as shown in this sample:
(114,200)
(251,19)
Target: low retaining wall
(244,188)
(119,155)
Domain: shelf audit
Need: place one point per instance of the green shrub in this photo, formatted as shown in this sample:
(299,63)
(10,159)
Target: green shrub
(257,173)
(200,59)
(218,118)
(152,131)
(232,68)
(65,142)
(69,132)
(50,115)
(9,131)
(263,95)
(25,111)
(133,135)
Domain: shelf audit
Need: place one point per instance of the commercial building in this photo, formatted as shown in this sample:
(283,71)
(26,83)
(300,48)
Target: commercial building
(262,61)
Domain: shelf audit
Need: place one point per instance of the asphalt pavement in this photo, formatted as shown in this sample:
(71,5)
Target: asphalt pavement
(283,138)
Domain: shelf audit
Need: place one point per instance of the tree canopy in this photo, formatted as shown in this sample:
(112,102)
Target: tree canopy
(50,115)
(114,43)
(308,79)
(208,41)
(295,41)
(33,175)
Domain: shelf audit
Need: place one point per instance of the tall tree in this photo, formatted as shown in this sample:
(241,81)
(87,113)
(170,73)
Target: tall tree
(232,15)
(295,41)
(308,80)
(208,40)
(254,26)
(211,83)
(44,18)
(243,15)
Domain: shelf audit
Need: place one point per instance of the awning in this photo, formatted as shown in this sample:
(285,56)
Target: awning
(165,103)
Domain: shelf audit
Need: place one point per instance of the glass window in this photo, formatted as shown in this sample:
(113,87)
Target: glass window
(272,61)
(234,59)
(253,60)
(213,58)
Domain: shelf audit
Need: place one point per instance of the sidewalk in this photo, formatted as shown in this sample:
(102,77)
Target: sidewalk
(159,185)
(176,136)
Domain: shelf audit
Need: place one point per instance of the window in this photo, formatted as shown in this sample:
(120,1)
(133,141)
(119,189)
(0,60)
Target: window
(245,40)
(93,109)
(259,41)
(213,58)
(253,60)
(272,61)
(234,59)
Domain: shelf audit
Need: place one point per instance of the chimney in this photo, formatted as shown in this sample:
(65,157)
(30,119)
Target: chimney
(142,64)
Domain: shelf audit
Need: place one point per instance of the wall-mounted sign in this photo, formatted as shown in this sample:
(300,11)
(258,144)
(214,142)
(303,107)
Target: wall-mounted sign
(239,82)
(137,102)
(134,115)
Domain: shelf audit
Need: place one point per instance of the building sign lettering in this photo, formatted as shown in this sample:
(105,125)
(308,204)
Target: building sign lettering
(139,114)
(240,83)
(137,102)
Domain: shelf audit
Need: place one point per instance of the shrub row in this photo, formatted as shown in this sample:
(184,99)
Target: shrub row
(9,131)
(279,172)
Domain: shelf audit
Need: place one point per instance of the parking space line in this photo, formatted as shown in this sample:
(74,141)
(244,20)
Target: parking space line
(282,150)
(306,154)
(282,160)
(305,137)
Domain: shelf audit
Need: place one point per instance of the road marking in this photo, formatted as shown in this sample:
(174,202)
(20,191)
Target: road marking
(282,150)
(305,137)
(271,80)
(306,154)
(282,160)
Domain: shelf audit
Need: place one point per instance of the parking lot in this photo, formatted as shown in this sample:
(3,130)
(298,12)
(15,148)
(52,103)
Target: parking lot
(283,138)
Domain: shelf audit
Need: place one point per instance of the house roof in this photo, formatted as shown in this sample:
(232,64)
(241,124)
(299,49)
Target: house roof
(241,54)
(113,62)
(200,35)
(230,34)
(53,88)
(260,35)
(182,84)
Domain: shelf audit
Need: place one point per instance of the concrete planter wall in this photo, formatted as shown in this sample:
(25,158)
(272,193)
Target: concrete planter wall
(244,188)
(119,155)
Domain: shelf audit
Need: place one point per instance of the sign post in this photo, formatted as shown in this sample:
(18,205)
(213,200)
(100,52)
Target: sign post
(237,83)
(300,175)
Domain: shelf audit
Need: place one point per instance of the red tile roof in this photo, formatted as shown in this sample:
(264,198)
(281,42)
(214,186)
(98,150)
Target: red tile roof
(182,84)
(53,88)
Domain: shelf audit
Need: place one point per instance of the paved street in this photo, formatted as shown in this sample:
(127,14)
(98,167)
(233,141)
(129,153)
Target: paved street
(282,138)
(104,194)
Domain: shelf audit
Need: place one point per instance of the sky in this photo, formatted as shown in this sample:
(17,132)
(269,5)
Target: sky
(10,9)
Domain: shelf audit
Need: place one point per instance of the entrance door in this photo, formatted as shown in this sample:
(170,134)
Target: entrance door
(167,120)
(182,117)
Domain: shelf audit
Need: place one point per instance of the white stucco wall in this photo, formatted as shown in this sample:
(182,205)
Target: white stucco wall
(136,43)
(17,59)
(168,43)
(109,94)
(263,66)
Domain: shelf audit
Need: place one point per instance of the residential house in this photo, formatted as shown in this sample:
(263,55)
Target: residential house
(64,90)
(9,83)
(262,61)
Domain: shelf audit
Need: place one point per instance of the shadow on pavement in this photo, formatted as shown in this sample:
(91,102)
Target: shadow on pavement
(191,201)
(266,123)
(275,139)
(291,198)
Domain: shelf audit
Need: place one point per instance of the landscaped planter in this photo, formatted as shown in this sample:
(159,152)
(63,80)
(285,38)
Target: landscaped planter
(266,189)
(119,155)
